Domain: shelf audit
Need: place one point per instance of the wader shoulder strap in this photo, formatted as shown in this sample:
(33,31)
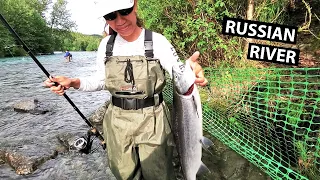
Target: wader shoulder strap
(110,44)
(148,44)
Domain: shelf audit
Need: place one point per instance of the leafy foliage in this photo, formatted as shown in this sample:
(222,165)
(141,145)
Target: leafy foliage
(41,36)
(80,42)
(28,23)
(60,17)
(193,25)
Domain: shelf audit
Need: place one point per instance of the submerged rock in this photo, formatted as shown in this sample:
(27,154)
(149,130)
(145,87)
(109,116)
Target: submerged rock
(32,106)
(67,140)
(23,164)
(25,156)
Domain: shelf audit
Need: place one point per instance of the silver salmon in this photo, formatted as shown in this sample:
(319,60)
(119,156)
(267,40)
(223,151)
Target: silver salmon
(187,122)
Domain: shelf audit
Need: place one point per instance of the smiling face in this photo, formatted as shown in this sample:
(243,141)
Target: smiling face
(125,25)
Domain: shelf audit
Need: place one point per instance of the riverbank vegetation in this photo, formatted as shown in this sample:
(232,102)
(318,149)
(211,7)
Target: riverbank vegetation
(196,25)
(44,26)
(246,105)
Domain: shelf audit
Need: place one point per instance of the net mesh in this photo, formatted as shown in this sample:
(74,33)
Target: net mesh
(270,116)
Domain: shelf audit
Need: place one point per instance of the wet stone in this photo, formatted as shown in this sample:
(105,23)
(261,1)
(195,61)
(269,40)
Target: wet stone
(25,156)
(32,106)
(22,163)
(226,164)
(255,174)
(233,165)
(96,118)
(67,141)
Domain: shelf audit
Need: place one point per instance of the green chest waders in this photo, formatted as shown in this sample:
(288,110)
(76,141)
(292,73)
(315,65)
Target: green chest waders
(137,122)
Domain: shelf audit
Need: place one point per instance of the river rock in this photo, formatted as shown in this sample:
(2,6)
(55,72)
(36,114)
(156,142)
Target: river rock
(24,164)
(256,174)
(233,166)
(32,106)
(98,115)
(96,118)
(226,164)
(26,155)
(67,140)
(21,164)
(2,156)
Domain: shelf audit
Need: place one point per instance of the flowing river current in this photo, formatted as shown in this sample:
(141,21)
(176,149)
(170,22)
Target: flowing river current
(20,79)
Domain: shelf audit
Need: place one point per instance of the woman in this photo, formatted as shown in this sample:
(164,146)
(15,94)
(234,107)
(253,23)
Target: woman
(130,65)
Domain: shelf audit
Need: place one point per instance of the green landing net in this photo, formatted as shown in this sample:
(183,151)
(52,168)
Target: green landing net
(269,116)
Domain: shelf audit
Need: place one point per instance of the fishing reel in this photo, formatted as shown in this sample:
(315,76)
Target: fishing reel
(84,143)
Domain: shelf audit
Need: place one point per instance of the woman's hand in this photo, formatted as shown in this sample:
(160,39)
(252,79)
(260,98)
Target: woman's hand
(63,82)
(197,69)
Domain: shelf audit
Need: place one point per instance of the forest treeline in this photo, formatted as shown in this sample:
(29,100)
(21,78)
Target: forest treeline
(193,25)
(190,25)
(42,33)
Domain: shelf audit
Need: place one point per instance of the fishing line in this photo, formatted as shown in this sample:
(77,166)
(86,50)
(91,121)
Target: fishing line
(93,130)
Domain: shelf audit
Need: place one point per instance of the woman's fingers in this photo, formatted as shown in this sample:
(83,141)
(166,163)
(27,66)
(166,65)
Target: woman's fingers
(200,77)
(57,89)
(193,62)
(58,84)
(204,83)
(197,69)
(195,56)
(48,83)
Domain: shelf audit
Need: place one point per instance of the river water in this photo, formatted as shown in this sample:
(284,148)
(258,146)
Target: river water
(20,79)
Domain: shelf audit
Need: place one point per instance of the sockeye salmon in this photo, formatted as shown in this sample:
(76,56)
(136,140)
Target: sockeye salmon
(187,122)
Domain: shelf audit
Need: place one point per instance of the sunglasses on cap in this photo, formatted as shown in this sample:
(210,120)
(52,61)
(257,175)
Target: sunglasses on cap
(113,15)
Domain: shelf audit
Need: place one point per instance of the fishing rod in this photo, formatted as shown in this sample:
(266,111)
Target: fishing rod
(84,143)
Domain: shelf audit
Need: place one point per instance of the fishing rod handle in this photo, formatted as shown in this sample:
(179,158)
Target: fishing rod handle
(95,132)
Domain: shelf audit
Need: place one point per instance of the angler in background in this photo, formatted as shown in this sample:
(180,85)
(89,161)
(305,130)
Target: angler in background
(68,56)
(130,64)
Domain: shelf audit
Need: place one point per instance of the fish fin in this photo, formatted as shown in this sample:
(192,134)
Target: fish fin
(203,169)
(206,143)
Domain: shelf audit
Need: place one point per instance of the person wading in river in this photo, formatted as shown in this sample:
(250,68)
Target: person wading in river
(68,56)
(130,65)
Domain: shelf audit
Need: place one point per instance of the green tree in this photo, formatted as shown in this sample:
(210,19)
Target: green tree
(193,25)
(60,17)
(38,34)
(60,23)
(29,25)
(40,5)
